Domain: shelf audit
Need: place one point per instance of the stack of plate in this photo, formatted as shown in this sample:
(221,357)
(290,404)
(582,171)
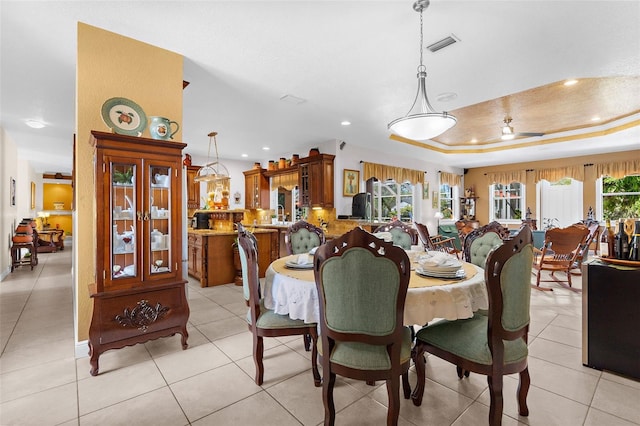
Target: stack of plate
(441,266)
(303,261)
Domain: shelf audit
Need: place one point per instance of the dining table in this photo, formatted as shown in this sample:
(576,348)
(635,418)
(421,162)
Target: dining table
(290,289)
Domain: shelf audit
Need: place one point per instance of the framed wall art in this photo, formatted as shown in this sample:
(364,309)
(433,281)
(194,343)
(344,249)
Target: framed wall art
(425,190)
(33,195)
(12,191)
(350,182)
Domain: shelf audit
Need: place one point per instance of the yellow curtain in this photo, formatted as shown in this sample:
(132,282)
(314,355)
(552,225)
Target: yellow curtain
(286,180)
(507,177)
(553,175)
(398,174)
(618,169)
(450,179)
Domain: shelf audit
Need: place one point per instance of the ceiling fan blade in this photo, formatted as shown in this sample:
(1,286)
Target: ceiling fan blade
(529,134)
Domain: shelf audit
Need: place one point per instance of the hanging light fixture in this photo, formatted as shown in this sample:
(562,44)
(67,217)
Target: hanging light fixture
(422,122)
(213,172)
(507,130)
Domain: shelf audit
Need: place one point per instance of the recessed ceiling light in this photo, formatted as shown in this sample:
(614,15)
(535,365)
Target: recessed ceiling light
(570,82)
(34,124)
(474,140)
(446,97)
(345,123)
(595,118)
(244,155)
(265,148)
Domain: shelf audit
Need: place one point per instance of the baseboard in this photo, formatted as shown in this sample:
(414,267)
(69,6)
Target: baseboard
(82,349)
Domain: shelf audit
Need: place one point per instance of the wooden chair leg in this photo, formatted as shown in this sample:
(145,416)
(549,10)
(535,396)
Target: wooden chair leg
(420,362)
(307,342)
(406,387)
(317,380)
(496,404)
(258,351)
(523,390)
(393,394)
(327,397)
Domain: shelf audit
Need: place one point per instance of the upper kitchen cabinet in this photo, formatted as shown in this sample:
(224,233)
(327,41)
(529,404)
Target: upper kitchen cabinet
(193,190)
(316,181)
(256,186)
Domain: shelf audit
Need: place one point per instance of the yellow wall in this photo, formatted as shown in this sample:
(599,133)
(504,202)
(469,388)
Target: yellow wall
(110,65)
(476,178)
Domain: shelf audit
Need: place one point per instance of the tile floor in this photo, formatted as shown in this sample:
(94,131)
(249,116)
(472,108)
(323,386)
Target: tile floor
(211,383)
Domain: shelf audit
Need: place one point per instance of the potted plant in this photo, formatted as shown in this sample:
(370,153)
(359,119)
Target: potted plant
(274,219)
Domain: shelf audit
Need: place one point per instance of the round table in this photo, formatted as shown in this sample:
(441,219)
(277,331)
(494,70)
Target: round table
(293,292)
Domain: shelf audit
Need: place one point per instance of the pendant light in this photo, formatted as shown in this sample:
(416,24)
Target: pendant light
(213,172)
(422,122)
(507,130)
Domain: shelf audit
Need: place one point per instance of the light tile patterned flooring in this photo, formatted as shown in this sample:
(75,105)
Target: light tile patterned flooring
(211,383)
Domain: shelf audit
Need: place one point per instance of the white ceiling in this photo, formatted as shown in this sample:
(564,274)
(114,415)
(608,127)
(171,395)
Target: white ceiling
(350,60)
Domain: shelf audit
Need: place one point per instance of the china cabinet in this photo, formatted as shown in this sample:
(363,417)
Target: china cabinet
(256,189)
(468,208)
(316,181)
(139,292)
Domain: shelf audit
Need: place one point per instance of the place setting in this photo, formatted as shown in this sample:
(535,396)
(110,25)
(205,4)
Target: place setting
(435,264)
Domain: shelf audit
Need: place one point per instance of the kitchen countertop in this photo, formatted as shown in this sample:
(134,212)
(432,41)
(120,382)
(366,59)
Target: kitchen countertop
(216,232)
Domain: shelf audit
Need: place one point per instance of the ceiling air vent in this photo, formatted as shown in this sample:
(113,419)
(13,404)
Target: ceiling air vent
(441,44)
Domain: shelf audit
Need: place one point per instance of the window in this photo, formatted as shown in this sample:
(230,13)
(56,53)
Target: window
(448,208)
(507,202)
(620,197)
(392,199)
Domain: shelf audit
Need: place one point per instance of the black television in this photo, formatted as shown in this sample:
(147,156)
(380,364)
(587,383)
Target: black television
(359,206)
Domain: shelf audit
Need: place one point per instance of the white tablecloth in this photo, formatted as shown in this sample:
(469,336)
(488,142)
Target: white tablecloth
(298,297)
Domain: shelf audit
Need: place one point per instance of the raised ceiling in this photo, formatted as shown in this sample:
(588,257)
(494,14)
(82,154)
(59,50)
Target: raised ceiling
(348,60)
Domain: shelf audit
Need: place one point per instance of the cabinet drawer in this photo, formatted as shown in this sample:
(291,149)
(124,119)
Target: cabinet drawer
(144,312)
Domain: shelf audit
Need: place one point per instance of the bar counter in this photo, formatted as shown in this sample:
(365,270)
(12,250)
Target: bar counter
(212,259)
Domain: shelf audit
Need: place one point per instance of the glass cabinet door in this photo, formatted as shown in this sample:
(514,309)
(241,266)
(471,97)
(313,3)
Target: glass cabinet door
(159,217)
(123,208)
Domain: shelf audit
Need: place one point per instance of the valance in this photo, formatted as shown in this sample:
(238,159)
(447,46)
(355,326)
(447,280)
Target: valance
(553,175)
(450,179)
(287,181)
(398,174)
(505,178)
(618,169)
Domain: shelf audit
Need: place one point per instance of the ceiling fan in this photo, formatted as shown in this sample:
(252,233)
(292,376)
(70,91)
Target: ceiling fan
(508,134)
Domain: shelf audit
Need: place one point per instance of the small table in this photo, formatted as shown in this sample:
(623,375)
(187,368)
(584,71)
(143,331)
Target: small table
(50,241)
(293,292)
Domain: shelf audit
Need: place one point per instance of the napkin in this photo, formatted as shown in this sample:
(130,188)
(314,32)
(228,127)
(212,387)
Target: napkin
(439,260)
(304,259)
(386,236)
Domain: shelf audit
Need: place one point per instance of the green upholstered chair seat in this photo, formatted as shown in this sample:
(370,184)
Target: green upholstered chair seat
(364,356)
(400,238)
(269,319)
(468,339)
(450,231)
(481,246)
(303,240)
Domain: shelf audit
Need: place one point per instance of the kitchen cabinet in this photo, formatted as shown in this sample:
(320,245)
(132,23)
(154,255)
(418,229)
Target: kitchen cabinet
(193,190)
(139,293)
(215,254)
(316,181)
(256,186)
(195,247)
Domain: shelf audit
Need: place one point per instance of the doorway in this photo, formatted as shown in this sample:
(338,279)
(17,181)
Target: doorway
(560,202)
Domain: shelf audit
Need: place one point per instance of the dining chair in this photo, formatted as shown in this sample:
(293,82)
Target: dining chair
(362,283)
(264,322)
(437,242)
(559,252)
(479,242)
(302,236)
(492,344)
(403,235)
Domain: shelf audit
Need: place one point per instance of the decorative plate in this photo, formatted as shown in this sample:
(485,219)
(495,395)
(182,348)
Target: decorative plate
(124,116)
